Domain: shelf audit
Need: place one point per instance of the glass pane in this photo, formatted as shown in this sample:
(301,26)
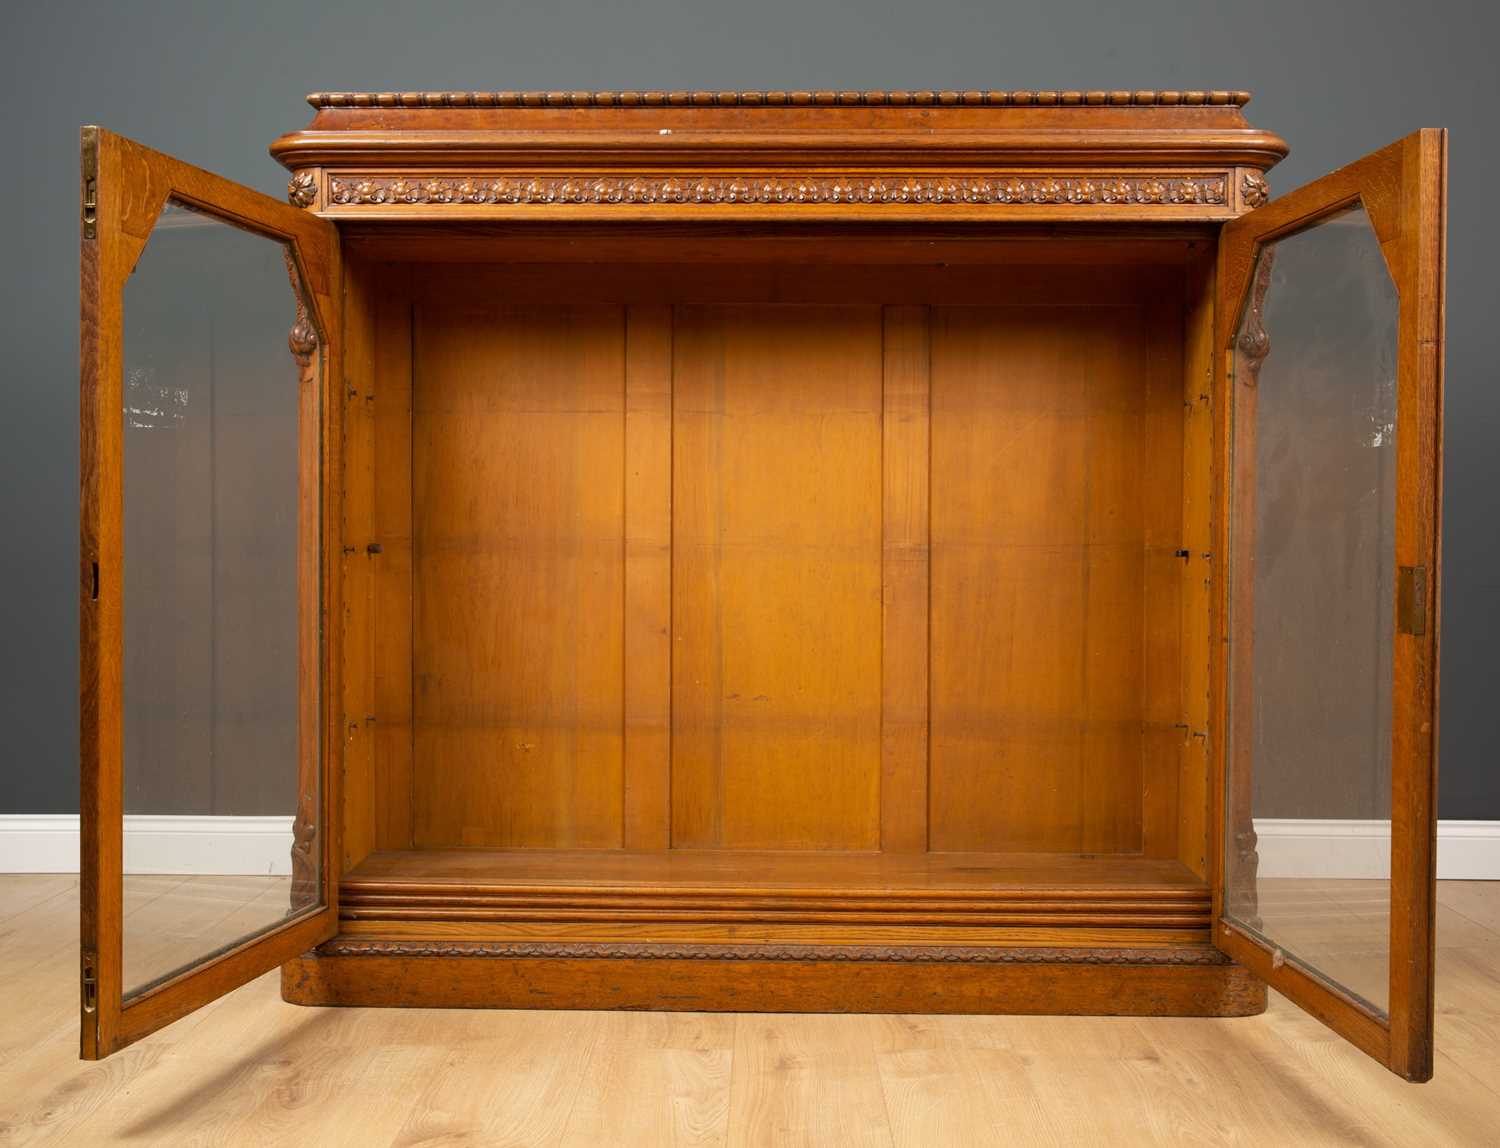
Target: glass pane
(1308,838)
(221,765)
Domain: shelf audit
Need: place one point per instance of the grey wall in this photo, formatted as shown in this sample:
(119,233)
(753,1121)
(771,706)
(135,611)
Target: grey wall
(215,83)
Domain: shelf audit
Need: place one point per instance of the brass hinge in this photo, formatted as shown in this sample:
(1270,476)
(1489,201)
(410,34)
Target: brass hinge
(90,986)
(1411,600)
(90,163)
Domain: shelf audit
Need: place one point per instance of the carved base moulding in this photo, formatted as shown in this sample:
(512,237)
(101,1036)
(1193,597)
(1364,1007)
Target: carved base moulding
(859,954)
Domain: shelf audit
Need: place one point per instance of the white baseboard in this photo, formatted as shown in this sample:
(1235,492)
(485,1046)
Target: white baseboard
(221,846)
(1306,847)
(1289,847)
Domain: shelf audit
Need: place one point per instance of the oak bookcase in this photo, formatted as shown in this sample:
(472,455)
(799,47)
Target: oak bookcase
(765,551)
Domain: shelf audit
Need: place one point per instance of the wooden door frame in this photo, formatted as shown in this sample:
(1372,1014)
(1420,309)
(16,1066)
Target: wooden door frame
(123,187)
(1403,190)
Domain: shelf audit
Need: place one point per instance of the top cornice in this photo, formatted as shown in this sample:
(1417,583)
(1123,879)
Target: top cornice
(786,99)
(1165,153)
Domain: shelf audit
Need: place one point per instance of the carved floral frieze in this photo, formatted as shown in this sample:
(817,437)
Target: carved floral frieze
(767,190)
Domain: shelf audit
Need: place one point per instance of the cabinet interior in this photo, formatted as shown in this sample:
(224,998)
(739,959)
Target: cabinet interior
(776,566)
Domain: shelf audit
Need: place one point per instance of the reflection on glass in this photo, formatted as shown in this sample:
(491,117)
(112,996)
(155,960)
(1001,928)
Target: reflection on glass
(1311,630)
(220,749)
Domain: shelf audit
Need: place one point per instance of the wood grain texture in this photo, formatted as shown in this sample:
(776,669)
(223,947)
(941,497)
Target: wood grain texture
(361,793)
(1162,465)
(921,249)
(652,334)
(782,986)
(1197,601)
(694,887)
(776,575)
(518,488)
(905,594)
(1019,274)
(739,929)
(648,578)
(1418,543)
(388,553)
(1039,551)
(945,955)
(775,869)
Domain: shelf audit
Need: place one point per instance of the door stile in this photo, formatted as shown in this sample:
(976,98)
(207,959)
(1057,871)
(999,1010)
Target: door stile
(101,826)
(1418,530)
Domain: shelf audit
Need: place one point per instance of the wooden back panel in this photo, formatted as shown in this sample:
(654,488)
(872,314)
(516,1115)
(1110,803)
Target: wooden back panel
(728,558)
(518,496)
(776,575)
(1039,567)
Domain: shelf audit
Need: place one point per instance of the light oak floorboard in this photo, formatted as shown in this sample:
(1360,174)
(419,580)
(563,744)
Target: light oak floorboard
(251,1070)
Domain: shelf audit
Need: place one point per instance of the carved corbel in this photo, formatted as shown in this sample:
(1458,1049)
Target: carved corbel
(303,338)
(1254,344)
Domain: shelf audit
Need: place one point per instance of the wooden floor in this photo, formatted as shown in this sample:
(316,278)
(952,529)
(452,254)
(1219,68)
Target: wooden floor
(251,1070)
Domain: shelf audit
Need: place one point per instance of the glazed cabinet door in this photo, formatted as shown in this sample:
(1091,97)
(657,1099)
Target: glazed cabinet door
(208,345)
(1330,320)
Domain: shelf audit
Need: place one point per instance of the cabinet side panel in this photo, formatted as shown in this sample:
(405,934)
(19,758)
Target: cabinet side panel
(905,596)
(357,479)
(518,480)
(391,565)
(1161,662)
(776,683)
(1037,578)
(1198,515)
(648,577)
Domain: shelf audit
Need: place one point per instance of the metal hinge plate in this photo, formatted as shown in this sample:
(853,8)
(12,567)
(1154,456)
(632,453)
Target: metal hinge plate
(90,164)
(1411,600)
(89,989)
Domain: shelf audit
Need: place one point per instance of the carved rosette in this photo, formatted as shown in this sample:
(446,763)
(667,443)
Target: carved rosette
(302,189)
(767,190)
(1254,190)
